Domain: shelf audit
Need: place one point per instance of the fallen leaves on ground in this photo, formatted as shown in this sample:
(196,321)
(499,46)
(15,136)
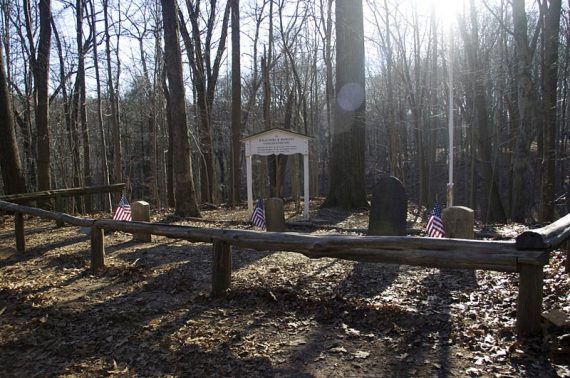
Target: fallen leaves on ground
(149,313)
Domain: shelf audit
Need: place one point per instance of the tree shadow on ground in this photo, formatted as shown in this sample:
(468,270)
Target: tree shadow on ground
(28,230)
(40,251)
(329,216)
(156,322)
(137,328)
(369,279)
(344,312)
(428,342)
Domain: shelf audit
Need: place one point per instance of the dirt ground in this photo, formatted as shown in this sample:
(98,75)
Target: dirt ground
(150,313)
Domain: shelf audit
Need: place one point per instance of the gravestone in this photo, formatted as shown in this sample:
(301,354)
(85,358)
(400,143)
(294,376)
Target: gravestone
(140,211)
(458,222)
(389,208)
(274,215)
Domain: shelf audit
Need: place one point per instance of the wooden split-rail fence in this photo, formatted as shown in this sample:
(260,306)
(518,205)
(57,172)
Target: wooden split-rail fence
(526,255)
(58,195)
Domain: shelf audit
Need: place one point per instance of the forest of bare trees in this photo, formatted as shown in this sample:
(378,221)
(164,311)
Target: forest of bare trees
(158,94)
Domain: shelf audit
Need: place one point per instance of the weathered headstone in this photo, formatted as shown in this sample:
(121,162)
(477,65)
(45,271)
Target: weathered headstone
(389,208)
(458,222)
(140,211)
(274,215)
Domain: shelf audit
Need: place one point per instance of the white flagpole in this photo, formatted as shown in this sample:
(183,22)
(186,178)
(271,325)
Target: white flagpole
(450,118)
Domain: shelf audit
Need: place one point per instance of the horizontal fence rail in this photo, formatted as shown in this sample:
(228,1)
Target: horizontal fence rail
(69,192)
(526,255)
(548,237)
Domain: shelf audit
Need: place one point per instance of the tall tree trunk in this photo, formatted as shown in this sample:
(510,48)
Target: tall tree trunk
(159,106)
(87,179)
(417,109)
(41,79)
(550,80)
(525,131)
(105,167)
(185,193)
(169,155)
(393,147)
(66,109)
(205,76)
(148,172)
(236,105)
(24,118)
(347,186)
(329,87)
(117,172)
(329,72)
(255,81)
(269,164)
(10,164)
(74,141)
(493,206)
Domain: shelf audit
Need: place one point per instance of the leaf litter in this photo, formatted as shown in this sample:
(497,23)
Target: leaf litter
(149,313)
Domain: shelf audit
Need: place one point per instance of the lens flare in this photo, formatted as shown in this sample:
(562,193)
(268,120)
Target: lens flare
(350,97)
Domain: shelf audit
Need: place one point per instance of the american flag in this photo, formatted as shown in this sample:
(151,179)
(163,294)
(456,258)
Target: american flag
(258,216)
(434,227)
(123,212)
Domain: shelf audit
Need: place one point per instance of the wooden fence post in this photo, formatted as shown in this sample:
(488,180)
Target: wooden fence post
(529,302)
(59,208)
(97,249)
(221,267)
(19,229)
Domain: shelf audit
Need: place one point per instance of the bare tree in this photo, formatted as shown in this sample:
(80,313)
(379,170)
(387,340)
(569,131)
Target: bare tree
(494,210)
(413,76)
(205,76)
(40,68)
(117,172)
(384,25)
(22,98)
(105,166)
(525,132)
(70,147)
(551,11)
(12,172)
(236,104)
(80,98)
(185,193)
(170,152)
(255,81)
(347,185)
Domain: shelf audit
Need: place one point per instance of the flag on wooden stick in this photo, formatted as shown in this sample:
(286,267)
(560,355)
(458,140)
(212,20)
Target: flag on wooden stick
(123,212)
(434,227)
(258,216)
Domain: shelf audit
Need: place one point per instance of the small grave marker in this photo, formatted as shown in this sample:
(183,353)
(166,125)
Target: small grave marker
(141,212)
(458,222)
(274,215)
(389,208)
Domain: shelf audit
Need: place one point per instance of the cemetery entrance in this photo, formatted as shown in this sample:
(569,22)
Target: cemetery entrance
(277,142)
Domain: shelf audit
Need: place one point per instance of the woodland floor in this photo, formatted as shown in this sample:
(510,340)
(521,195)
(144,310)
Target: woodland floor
(150,312)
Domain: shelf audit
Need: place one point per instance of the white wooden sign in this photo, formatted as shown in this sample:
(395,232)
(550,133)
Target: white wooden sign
(277,142)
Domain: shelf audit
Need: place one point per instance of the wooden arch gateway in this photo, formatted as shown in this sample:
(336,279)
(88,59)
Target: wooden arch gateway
(277,142)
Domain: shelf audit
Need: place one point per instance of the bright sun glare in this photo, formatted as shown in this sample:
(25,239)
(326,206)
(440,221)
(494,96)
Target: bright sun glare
(447,10)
